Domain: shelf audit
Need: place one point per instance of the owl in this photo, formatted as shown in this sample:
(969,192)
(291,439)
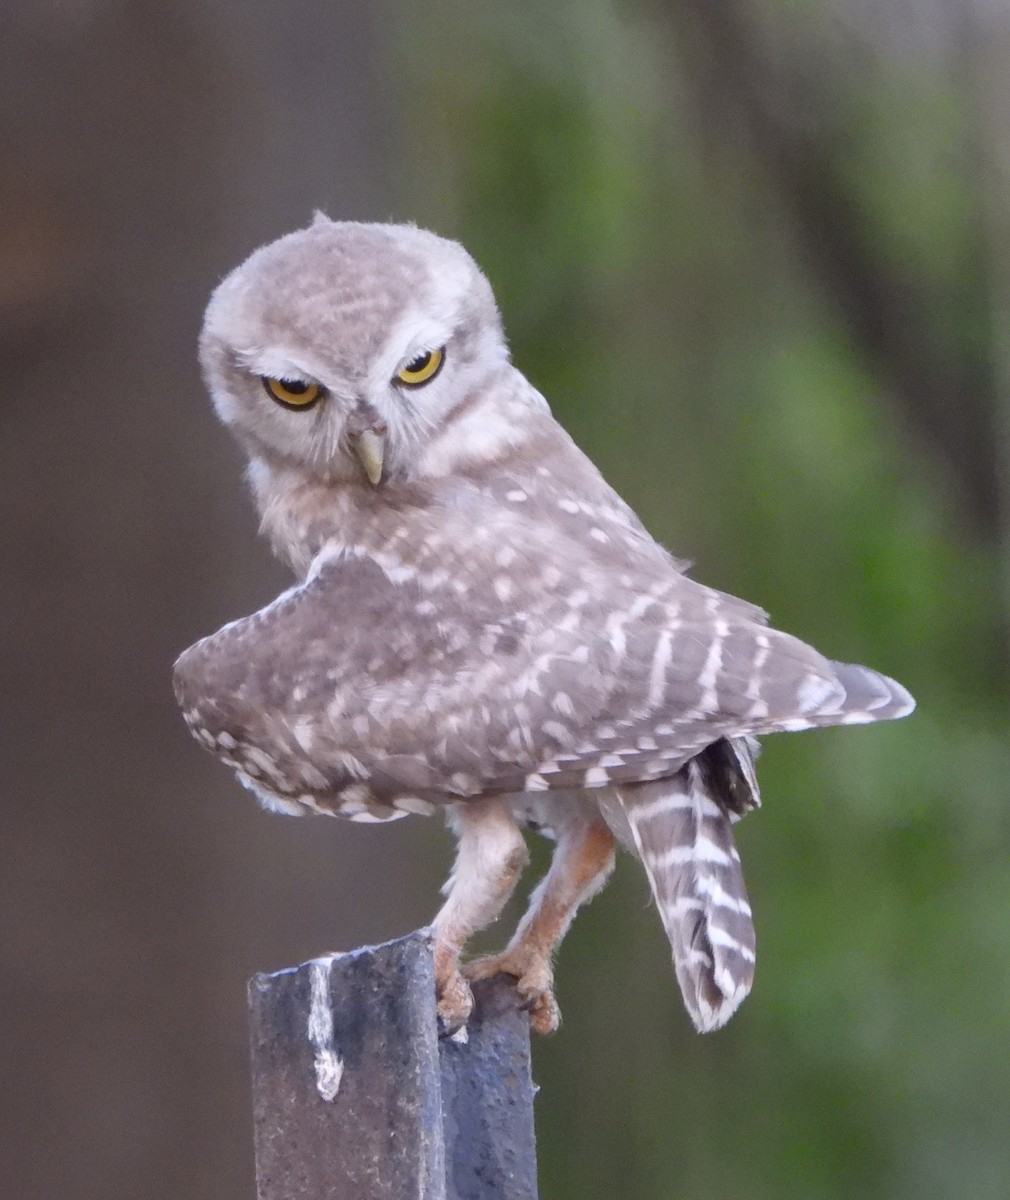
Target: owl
(480,626)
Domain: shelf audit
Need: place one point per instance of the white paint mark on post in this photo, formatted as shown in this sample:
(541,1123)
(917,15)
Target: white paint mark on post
(329,1066)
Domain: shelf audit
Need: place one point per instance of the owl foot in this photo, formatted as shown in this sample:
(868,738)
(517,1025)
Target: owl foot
(534,978)
(454,1001)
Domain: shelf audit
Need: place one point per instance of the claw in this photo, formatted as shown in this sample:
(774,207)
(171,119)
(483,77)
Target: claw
(545,1016)
(534,983)
(454,1003)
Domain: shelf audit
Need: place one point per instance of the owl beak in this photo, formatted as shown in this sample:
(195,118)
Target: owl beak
(370,447)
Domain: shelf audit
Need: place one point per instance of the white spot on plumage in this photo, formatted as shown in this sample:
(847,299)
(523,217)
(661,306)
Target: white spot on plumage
(433,580)
(794,725)
(570,622)
(415,805)
(856,718)
(260,760)
(270,800)
(709,673)
(639,607)
(614,629)
(367,817)
(304,732)
(814,692)
(353,766)
(660,664)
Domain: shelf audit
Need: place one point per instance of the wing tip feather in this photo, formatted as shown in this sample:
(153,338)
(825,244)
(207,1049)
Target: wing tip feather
(870,696)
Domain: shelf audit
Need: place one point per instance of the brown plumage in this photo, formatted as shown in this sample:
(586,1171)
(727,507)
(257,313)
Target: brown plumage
(482,625)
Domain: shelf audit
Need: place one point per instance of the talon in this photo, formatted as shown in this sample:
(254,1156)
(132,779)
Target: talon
(545,1016)
(534,984)
(454,1003)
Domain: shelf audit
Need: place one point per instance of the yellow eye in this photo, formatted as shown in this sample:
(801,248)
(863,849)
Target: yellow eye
(421,369)
(292,393)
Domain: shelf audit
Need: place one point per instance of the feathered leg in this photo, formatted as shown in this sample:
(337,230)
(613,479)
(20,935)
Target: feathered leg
(682,831)
(583,859)
(489,859)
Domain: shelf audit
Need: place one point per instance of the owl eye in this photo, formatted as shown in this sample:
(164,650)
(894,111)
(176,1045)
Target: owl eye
(421,369)
(292,393)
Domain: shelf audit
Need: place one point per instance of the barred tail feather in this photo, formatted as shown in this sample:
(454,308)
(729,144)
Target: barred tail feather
(684,838)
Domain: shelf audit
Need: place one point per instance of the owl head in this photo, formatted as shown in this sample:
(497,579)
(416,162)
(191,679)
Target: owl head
(343,349)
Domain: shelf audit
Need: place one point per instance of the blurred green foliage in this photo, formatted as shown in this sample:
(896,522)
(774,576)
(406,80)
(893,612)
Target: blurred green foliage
(653,289)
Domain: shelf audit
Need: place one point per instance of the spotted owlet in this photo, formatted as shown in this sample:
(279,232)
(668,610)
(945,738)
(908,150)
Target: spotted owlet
(481,625)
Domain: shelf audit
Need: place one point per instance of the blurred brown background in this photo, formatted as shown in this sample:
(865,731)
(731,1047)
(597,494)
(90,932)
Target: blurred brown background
(773,239)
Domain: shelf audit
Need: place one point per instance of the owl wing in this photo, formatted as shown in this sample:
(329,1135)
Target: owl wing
(501,656)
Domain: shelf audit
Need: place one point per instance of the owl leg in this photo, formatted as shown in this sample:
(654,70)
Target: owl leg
(489,859)
(582,861)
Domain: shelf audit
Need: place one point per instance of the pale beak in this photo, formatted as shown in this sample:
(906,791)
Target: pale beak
(370,447)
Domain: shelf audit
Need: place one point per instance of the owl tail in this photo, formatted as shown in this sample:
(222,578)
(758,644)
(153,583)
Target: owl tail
(682,829)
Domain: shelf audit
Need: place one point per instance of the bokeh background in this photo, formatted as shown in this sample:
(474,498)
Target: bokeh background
(756,255)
